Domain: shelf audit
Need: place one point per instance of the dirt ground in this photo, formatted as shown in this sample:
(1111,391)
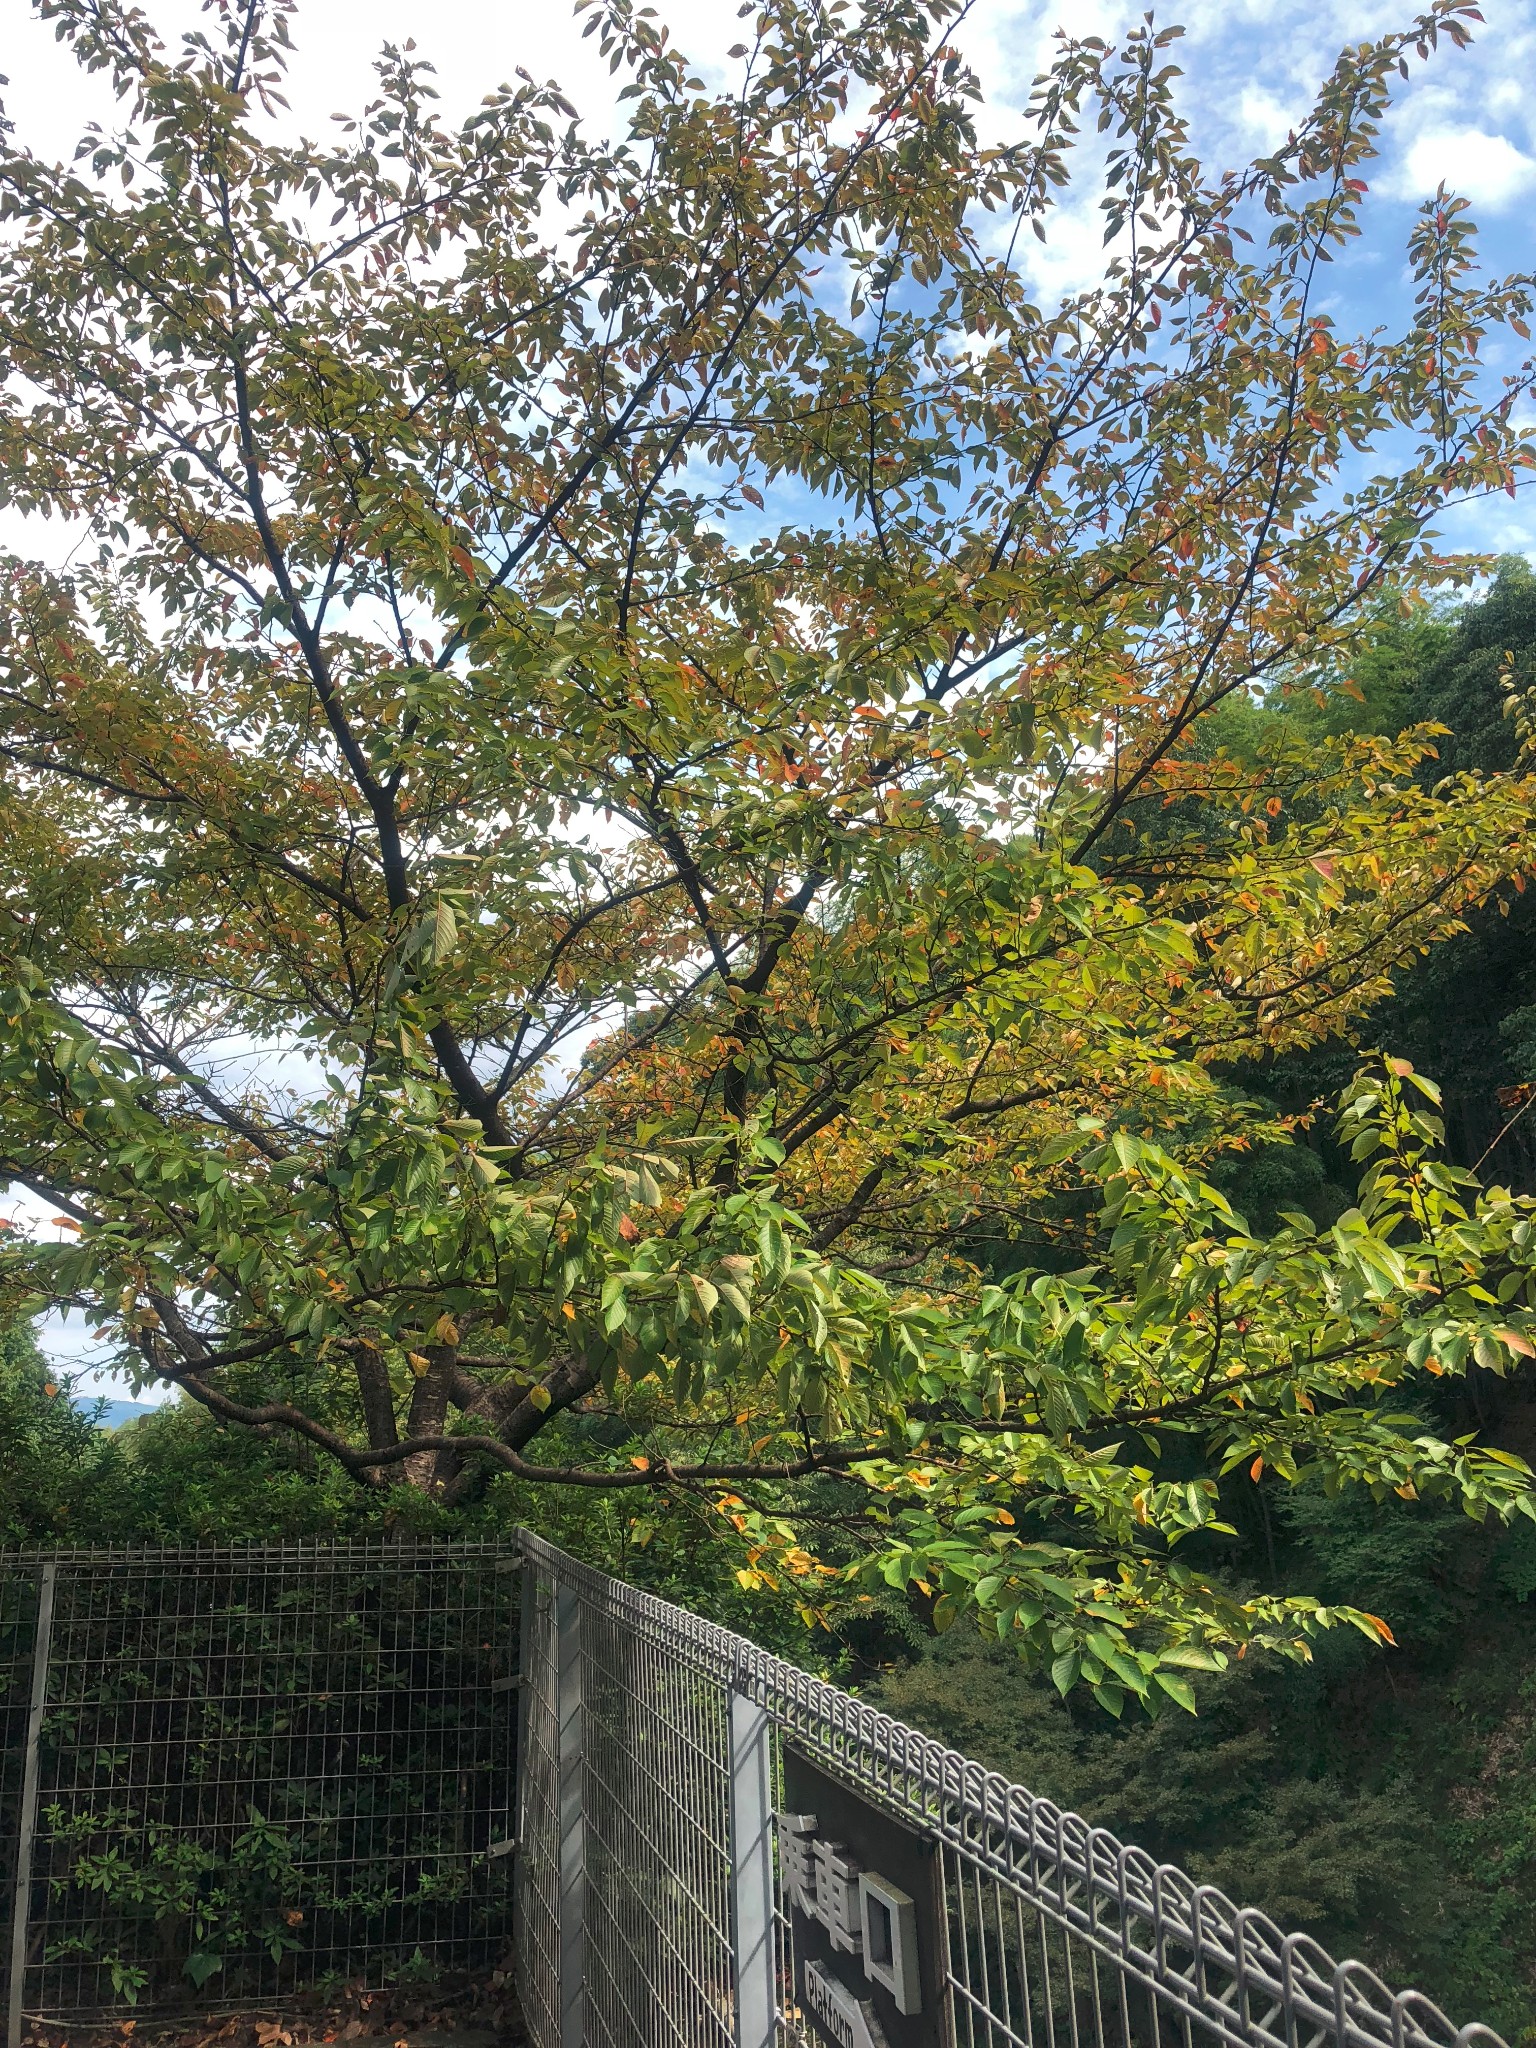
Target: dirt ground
(483,2014)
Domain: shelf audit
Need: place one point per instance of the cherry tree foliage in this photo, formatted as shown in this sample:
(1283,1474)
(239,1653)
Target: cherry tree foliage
(629,772)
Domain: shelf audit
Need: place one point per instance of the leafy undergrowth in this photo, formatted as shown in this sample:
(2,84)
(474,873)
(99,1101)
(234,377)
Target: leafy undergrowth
(482,2013)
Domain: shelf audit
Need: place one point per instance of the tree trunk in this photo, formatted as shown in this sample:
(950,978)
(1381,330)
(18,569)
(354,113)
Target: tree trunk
(378,1401)
(430,1471)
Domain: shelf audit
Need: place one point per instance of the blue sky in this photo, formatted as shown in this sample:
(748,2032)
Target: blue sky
(1252,67)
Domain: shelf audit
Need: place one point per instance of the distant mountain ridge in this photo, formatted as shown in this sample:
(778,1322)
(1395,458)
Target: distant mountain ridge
(113,1414)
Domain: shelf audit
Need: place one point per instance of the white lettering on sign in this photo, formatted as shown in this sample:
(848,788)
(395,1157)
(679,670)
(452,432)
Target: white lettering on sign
(837,1896)
(865,1915)
(797,1859)
(850,2021)
(888,1922)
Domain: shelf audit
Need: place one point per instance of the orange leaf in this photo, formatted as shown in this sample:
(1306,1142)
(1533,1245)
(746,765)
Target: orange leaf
(1381,1629)
(1256,1469)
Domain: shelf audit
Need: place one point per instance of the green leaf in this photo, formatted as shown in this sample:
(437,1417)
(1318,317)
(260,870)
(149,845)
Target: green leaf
(1178,1689)
(436,937)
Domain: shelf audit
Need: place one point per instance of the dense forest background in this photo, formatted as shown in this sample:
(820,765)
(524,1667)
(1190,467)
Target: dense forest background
(1382,1800)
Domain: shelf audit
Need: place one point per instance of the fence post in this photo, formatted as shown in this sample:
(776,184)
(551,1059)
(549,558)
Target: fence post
(27,1818)
(570,1806)
(752,1924)
(527,1682)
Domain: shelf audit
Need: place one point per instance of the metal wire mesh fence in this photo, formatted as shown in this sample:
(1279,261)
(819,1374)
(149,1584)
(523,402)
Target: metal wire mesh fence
(231,1772)
(21,1597)
(676,1892)
(624,1834)
(227,1774)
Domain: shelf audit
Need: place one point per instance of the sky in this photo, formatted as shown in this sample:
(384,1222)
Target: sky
(1251,70)
(1251,67)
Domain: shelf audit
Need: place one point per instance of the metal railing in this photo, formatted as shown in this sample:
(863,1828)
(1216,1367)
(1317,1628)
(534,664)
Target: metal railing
(226,1775)
(230,1773)
(662,1893)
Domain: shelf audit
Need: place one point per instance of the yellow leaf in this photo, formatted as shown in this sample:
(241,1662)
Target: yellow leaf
(568,1311)
(417,1363)
(539,1396)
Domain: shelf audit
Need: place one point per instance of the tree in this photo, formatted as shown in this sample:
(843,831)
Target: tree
(1466,1011)
(58,1470)
(523,923)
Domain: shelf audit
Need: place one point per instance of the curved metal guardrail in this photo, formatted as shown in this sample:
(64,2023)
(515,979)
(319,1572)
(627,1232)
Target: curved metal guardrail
(648,1737)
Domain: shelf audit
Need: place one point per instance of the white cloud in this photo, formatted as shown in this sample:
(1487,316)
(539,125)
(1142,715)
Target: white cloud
(1487,169)
(1508,92)
(1264,121)
(472,44)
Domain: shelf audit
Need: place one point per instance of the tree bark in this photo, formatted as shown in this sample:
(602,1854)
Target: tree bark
(430,1471)
(377,1399)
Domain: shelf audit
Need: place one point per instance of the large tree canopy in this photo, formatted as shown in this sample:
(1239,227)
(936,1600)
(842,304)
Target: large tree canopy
(607,788)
